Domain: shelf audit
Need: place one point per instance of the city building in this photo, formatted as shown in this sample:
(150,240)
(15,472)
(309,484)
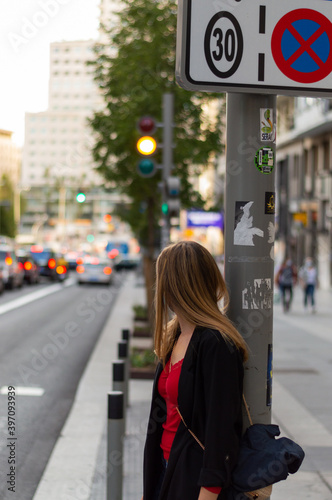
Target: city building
(304,181)
(10,158)
(10,171)
(58,141)
(57,160)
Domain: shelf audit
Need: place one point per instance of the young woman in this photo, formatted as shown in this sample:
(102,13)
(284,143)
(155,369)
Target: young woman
(200,375)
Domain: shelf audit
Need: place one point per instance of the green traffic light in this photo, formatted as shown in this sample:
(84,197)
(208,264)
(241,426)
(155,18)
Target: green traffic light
(146,168)
(164,208)
(80,197)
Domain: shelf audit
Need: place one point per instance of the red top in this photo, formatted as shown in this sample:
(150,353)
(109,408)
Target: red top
(168,386)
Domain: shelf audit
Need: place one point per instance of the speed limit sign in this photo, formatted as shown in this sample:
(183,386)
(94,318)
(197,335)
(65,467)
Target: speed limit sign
(223,44)
(255,46)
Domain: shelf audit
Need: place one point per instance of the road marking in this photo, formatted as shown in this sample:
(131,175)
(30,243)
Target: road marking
(24,391)
(31,297)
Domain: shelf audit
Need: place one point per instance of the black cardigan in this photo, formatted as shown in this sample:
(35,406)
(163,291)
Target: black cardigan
(210,397)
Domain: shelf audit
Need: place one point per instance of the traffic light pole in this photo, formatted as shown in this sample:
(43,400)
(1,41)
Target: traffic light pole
(167,162)
(249,238)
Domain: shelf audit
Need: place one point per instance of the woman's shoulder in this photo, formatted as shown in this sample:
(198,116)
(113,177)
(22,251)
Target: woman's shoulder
(211,339)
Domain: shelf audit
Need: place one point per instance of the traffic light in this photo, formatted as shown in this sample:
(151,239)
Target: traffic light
(146,146)
(80,197)
(173,201)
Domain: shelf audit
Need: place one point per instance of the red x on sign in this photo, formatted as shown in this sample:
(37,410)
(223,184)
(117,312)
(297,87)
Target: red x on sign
(301,45)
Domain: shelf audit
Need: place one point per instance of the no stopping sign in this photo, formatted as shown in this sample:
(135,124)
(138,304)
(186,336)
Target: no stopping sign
(301,45)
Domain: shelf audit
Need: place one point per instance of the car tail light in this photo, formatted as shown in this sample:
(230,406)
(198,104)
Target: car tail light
(27,266)
(79,261)
(20,266)
(8,261)
(113,253)
(107,270)
(51,263)
(61,270)
(36,249)
(80,269)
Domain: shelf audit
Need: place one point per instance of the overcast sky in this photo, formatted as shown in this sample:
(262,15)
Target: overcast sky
(27,27)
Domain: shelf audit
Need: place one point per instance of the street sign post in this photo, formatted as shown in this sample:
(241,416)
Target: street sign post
(255,46)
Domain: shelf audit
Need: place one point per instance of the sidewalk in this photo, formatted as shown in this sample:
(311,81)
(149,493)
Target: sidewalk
(302,407)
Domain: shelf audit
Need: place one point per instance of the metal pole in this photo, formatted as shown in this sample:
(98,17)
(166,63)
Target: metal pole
(123,355)
(115,433)
(249,238)
(119,380)
(168,111)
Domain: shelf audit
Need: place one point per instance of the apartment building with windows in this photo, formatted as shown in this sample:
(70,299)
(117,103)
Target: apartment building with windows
(10,158)
(304,181)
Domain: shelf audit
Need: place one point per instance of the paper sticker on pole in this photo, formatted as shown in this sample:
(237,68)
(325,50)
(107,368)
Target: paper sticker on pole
(301,45)
(223,44)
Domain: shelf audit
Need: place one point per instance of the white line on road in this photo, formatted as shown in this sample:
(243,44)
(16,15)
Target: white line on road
(31,297)
(24,391)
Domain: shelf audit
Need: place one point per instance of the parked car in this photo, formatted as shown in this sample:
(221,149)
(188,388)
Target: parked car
(50,264)
(29,265)
(94,270)
(13,274)
(127,262)
(2,283)
(72,258)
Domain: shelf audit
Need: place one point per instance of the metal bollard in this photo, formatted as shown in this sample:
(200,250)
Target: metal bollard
(118,375)
(123,356)
(115,433)
(126,334)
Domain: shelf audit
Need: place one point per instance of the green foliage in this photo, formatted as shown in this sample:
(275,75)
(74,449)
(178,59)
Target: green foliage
(140,311)
(142,358)
(133,72)
(7,222)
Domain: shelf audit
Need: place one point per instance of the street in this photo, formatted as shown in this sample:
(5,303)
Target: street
(47,335)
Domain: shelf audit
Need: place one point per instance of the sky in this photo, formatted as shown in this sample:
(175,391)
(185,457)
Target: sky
(27,27)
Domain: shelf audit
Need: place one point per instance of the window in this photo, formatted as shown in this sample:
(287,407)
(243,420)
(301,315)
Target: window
(326,156)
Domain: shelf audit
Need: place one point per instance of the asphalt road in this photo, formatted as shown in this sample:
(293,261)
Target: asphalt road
(47,333)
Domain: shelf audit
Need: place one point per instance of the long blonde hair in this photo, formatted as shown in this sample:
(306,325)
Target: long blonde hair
(189,278)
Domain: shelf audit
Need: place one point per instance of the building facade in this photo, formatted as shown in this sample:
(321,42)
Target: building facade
(57,158)
(58,141)
(304,181)
(10,158)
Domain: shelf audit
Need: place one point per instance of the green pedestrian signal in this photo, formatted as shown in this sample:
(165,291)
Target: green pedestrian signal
(164,208)
(80,197)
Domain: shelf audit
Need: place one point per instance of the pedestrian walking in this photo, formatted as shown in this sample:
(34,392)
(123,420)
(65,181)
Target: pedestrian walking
(308,277)
(286,278)
(198,381)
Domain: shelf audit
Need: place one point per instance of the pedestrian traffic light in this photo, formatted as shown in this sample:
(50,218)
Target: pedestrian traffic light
(80,197)
(146,145)
(173,201)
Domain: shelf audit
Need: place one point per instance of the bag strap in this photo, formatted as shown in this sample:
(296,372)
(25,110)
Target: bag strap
(247,409)
(191,432)
(196,438)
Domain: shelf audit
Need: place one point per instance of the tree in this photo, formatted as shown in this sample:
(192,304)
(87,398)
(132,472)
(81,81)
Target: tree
(7,222)
(133,69)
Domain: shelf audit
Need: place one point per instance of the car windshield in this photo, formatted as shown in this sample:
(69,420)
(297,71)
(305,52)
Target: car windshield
(3,254)
(41,256)
(91,265)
